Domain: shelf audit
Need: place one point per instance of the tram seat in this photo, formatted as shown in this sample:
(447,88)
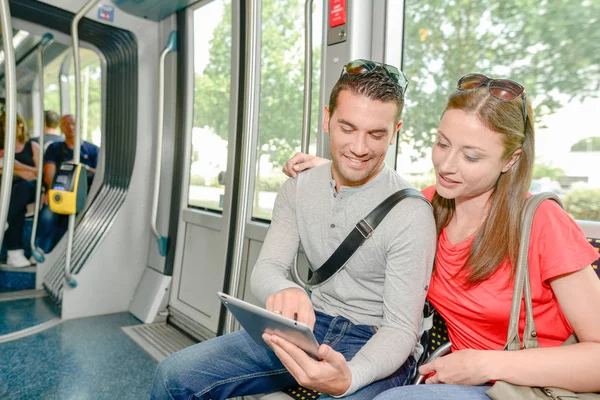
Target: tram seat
(438,346)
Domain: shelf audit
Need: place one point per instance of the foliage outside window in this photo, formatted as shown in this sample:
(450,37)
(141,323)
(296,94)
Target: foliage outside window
(282,95)
(552,48)
(52,85)
(281,98)
(212,84)
(91,91)
(91,95)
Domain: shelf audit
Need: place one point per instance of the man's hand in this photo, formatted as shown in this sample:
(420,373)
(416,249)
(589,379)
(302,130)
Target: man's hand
(330,374)
(300,162)
(463,367)
(88,169)
(293,303)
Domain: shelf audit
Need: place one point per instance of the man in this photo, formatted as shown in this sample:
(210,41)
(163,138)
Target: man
(369,312)
(52,226)
(51,132)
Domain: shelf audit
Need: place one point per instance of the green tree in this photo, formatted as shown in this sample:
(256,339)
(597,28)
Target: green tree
(281,81)
(89,59)
(583,204)
(587,144)
(551,47)
(543,170)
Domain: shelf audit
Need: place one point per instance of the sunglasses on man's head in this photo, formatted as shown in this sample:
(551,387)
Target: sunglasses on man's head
(502,89)
(361,66)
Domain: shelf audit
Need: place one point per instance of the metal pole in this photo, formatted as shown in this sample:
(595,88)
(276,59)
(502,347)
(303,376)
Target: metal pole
(308,57)
(46,40)
(161,240)
(250,119)
(11,114)
(78,119)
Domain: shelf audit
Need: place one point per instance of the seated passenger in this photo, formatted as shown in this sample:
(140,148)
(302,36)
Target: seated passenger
(367,315)
(22,193)
(51,132)
(52,226)
(483,159)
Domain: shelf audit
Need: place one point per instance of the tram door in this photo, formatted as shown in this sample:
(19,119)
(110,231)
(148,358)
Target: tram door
(247,104)
(212,74)
(237,139)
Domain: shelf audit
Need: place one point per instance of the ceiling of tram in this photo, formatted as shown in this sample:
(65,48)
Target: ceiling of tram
(25,44)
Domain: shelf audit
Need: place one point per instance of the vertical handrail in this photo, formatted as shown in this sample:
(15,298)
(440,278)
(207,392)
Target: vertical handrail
(252,73)
(162,241)
(78,118)
(308,58)
(11,114)
(46,40)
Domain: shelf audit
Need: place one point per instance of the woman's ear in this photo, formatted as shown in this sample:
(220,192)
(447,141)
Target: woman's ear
(511,161)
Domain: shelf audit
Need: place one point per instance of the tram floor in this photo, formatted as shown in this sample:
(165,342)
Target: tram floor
(25,313)
(87,358)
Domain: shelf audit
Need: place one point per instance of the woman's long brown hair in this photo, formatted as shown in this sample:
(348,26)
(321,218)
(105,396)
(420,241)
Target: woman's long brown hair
(21,135)
(498,237)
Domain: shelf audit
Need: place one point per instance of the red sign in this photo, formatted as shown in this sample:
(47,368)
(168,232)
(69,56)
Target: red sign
(337,13)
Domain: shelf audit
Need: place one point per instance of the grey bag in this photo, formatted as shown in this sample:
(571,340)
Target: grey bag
(507,391)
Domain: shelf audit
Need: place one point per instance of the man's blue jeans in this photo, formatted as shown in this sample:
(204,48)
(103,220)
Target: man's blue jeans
(234,365)
(51,228)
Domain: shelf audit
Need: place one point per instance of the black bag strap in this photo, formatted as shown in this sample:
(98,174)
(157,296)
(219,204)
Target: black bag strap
(361,232)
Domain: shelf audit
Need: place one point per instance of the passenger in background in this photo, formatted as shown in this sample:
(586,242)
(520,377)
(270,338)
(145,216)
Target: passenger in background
(367,315)
(483,158)
(51,132)
(23,191)
(52,226)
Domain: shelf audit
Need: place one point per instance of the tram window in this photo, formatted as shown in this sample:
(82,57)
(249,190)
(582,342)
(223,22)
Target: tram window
(91,91)
(548,47)
(91,95)
(281,94)
(212,77)
(52,85)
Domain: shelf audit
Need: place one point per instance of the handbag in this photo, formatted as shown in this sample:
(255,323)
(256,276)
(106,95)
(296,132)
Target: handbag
(507,391)
(361,232)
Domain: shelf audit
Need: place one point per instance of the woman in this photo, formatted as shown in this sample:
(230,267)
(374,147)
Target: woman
(483,158)
(23,191)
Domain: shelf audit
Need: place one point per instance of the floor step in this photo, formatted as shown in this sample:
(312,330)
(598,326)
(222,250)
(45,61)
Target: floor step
(158,340)
(13,279)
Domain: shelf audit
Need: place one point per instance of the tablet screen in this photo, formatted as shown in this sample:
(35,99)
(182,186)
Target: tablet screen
(256,321)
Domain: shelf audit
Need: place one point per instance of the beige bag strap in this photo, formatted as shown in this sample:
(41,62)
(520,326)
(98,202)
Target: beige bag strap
(522,279)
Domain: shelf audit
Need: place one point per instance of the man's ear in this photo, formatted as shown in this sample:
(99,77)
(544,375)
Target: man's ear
(395,134)
(326,119)
(511,161)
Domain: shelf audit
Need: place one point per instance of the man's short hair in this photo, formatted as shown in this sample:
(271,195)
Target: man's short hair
(376,85)
(51,119)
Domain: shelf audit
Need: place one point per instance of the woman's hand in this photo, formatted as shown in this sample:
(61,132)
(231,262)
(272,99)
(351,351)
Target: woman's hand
(300,162)
(330,374)
(463,367)
(26,174)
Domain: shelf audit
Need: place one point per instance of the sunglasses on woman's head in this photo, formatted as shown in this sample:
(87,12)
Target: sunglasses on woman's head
(361,66)
(502,89)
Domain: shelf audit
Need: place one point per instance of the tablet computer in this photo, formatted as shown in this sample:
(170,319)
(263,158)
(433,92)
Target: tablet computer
(257,320)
